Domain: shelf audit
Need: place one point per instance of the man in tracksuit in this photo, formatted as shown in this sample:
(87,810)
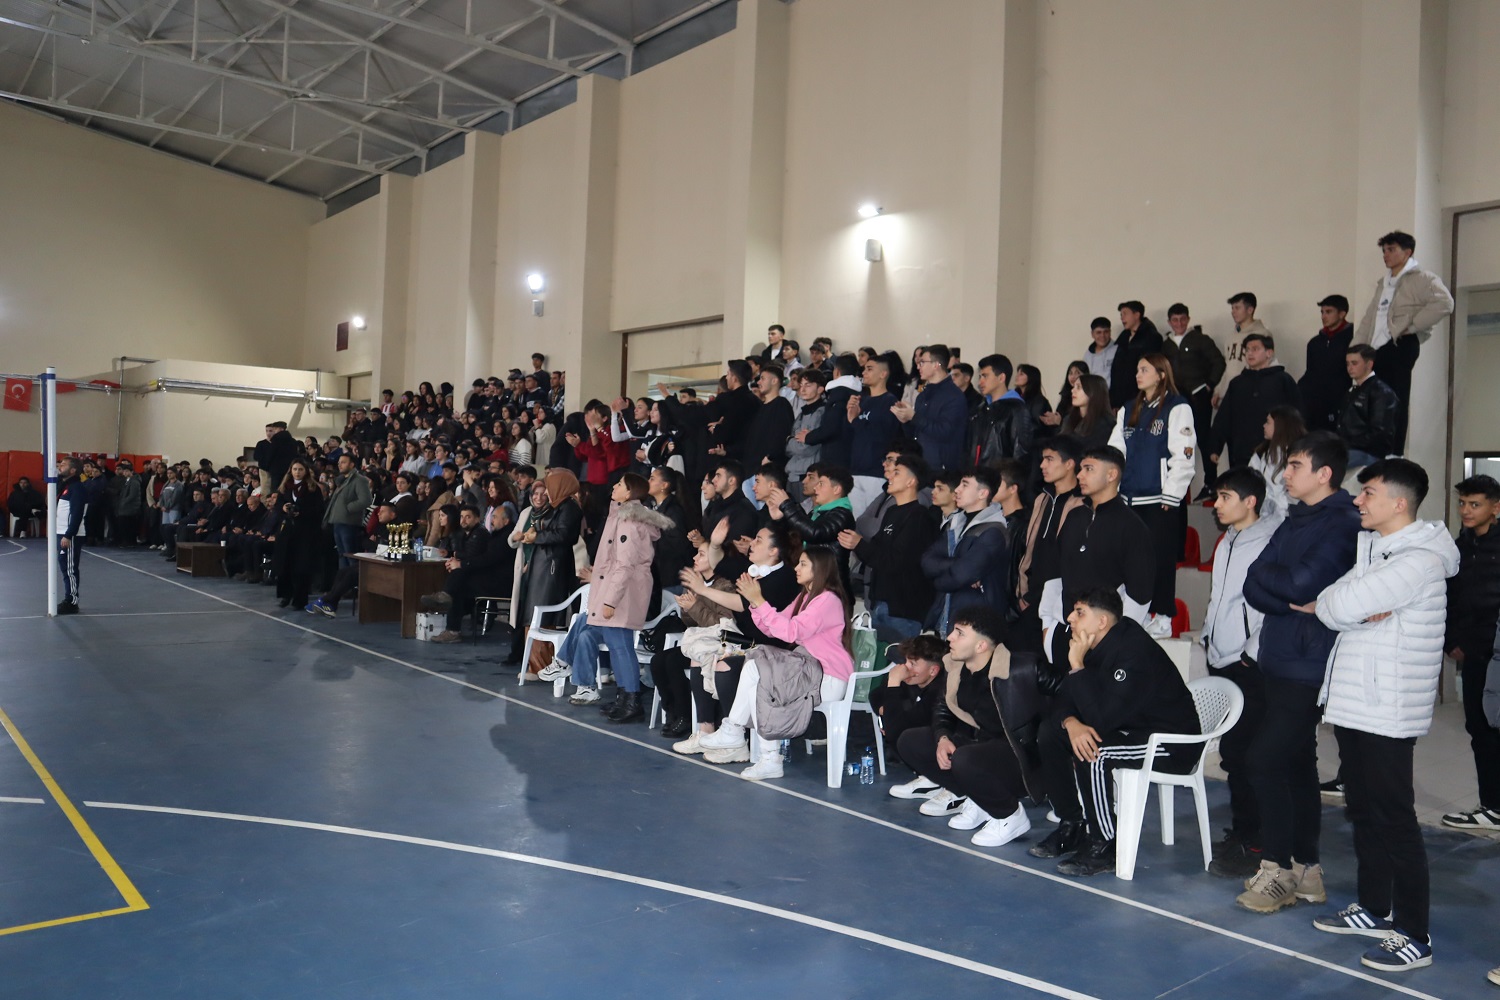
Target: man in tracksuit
(1314,546)
(72,505)
(1231,640)
(1121,688)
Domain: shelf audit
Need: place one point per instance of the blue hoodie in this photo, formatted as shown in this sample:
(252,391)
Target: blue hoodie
(1314,546)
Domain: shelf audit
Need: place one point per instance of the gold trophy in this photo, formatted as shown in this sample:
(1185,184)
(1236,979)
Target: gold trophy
(398,547)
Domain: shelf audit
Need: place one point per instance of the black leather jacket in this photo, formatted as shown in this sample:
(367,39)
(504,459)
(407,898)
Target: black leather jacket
(1367,421)
(1022,706)
(1004,428)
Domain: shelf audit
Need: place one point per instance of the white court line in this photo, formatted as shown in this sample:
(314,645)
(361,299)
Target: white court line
(858,934)
(23,801)
(1069,883)
(18,547)
(130,614)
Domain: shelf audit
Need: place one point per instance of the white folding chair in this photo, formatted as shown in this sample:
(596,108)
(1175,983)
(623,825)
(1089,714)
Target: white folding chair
(643,657)
(837,713)
(1219,703)
(579,597)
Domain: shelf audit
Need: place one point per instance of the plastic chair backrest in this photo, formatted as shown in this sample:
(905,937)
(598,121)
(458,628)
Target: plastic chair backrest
(1219,703)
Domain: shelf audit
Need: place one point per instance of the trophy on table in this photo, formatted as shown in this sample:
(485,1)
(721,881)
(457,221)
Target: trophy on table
(398,545)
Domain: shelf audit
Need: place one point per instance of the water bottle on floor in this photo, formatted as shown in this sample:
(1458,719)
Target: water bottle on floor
(786,751)
(867,767)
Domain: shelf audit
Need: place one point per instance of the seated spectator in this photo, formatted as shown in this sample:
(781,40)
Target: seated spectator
(906,701)
(832,513)
(347,578)
(408,510)
(1101,352)
(26,502)
(981,748)
(1371,410)
(725,500)
(780,688)
(1121,688)
(969,563)
(669,667)
(899,594)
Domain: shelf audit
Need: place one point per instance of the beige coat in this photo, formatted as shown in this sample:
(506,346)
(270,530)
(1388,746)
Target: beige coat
(1421,301)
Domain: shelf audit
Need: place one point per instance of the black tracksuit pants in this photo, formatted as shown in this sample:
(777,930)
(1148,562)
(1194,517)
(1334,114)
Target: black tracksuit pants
(1085,790)
(985,771)
(726,683)
(669,674)
(1282,765)
(1484,739)
(1381,802)
(1234,747)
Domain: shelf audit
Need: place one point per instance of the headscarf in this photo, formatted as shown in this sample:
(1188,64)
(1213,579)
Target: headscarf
(561,485)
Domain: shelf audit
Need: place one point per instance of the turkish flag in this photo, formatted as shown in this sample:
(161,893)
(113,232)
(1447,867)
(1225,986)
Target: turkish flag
(18,394)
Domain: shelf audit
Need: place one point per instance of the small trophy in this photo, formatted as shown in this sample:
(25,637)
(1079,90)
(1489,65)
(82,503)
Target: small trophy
(399,547)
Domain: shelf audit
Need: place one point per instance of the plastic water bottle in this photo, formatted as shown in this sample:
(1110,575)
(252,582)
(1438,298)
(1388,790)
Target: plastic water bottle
(786,751)
(867,767)
(417,548)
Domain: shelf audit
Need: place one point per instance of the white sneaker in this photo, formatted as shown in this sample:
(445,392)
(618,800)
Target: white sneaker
(606,677)
(734,755)
(1160,627)
(769,766)
(727,737)
(553,671)
(1002,831)
(969,817)
(917,788)
(584,696)
(943,803)
(689,745)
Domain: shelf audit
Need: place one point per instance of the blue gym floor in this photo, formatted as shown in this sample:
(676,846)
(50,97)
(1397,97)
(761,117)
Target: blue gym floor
(269,804)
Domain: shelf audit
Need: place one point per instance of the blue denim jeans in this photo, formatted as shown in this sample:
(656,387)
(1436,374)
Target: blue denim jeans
(889,628)
(347,539)
(580,651)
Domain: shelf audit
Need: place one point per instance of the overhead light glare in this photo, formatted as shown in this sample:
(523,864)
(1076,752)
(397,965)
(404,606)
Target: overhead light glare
(869,210)
(536,282)
(358,322)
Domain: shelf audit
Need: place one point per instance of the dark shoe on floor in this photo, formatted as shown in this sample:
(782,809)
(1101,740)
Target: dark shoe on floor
(1094,858)
(1332,789)
(675,728)
(439,601)
(607,707)
(627,709)
(1479,819)
(284,602)
(1240,863)
(68,608)
(1067,838)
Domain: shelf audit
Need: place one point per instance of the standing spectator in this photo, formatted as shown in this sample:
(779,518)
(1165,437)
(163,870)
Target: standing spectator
(72,509)
(127,498)
(1028,382)
(728,413)
(962,374)
(1058,497)
(770,424)
(1155,433)
(301,538)
(546,542)
(1064,408)
(1371,412)
(906,701)
(1389,609)
(346,510)
(168,511)
(1197,368)
(775,337)
(831,514)
(1282,429)
(1091,420)
(1473,607)
(1325,381)
(1311,549)
(1409,301)
(605,456)
(1231,638)
(1001,425)
(1138,338)
(940,414)
(801,453)
(1100,357)
(834,438)
(1252,394)
(872,428)
(728,502)
(968,563)
(899,594)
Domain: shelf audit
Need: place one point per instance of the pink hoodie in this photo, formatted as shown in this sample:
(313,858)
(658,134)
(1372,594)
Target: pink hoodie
(819,629)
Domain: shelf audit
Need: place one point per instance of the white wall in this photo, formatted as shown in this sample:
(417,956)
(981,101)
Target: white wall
(1471,138)
(107,248)
(346,278)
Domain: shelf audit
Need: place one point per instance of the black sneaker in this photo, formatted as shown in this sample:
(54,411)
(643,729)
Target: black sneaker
(1479,819)
(1067,838)
(68,608)
(1094,858)
(1333,789)
(1239,863)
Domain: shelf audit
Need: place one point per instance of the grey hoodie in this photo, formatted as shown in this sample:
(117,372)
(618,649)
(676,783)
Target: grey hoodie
(1231,628)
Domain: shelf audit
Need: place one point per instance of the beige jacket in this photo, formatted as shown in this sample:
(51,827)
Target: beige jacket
(1421,301)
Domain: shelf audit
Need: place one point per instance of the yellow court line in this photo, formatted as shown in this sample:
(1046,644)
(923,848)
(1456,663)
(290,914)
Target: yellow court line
(134,901)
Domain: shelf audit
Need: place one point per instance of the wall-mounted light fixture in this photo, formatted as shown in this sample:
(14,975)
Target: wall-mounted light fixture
(358,322)
(873,250)
(869,210)
(536,283)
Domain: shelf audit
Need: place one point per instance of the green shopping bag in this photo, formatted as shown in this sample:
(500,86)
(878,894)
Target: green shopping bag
(869,654)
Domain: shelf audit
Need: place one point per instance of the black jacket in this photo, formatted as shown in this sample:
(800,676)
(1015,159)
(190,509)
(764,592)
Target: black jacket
(780,589)
(1019,701)
(1240,422)
(743,518)
(980,557)
(894,556)
(1198,362)
(1129,683)
(485,552)
(26,502)
(1367,420)
(275,455)
(1000,429)
(1131,347)
(765,437)
(834,434)
(1105,546)
(551,574)
(1325,379)
(732,410)
(905,706)
(1474,596)
(822,528)
(673,552)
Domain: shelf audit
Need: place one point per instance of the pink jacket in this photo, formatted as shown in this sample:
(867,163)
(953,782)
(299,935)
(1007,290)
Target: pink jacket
(819,629)
(622,567)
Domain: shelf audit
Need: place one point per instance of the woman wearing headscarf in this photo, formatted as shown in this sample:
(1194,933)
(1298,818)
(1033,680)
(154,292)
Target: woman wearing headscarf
(548,573)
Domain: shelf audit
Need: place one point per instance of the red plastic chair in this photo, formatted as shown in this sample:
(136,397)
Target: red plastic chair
(1208,567)
(1192,554)
(1180,621)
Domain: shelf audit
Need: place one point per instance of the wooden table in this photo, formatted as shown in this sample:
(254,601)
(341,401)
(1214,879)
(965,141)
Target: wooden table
(391,591)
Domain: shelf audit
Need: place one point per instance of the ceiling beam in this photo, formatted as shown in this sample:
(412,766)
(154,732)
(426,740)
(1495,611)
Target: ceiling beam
(621,42)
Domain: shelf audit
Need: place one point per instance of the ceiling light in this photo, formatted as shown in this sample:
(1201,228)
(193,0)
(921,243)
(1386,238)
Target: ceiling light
(536,282)
(869,210)
(358,322)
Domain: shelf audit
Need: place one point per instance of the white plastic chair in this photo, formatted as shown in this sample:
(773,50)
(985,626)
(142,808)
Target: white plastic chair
(837,713)
(643,657)
(579,597)
(1219,702)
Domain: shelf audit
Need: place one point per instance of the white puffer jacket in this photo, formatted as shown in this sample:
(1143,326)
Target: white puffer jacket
(1382,676)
